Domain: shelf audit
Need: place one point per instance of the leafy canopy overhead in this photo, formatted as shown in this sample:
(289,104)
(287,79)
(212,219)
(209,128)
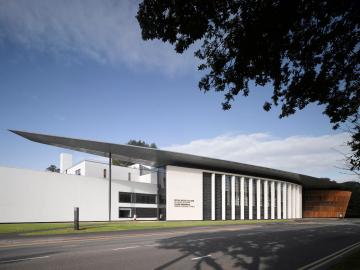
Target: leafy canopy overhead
(307,50)
(136,143)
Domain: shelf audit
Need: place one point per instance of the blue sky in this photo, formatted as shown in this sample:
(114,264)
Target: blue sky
(66,70)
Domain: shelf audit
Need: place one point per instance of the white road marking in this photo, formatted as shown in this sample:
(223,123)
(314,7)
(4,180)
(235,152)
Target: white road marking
(152,245)
(25,259)
(70,246)
(318,263)
(198,258)
(121,248)
(202,239)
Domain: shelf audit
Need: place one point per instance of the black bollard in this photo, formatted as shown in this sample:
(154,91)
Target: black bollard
(76,218)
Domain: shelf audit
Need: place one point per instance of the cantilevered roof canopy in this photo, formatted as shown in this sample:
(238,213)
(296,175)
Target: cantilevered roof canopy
(158,158)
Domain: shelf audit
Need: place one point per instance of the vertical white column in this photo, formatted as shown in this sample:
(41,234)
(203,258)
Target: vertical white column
(293,204)
(213,196)
(272,199)
(242,200)
(298,197)
(233,197)
(284,200)
(258,195)
(223,197)
(250,198)
(297,201)
(289,200)
(266,202)
(300,202)
(278,186)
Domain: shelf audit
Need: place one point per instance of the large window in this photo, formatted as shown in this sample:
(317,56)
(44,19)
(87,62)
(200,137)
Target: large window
(124,197)
(124,213)
(145,198)
(237,191)
(145,212)
(246,192)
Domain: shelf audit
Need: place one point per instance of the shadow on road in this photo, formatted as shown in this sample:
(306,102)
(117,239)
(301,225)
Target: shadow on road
(258,249)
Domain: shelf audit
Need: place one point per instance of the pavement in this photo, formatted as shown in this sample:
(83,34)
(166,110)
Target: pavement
(306,244)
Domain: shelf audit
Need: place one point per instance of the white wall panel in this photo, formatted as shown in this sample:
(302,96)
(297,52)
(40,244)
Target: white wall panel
(223,203)
(233,197)
(284,200)
(279,194)
(34,196)
(184,184)
(213,196)
(266,202)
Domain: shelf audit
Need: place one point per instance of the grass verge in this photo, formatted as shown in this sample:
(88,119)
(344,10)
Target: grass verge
(89,227)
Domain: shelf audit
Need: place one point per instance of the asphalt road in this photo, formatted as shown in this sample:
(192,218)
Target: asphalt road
(271,246)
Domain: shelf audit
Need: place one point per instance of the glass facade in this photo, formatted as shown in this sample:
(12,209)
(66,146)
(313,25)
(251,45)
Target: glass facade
(237,197)
(161,186)
(270,196)
(228,197)
(206,196)
(246,198)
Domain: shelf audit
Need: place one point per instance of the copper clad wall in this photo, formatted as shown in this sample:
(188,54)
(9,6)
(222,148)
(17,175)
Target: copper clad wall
(325,203)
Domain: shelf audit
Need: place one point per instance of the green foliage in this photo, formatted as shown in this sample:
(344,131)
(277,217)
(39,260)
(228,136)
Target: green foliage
(90,227)
(53,168)
(307,50)
(136,143)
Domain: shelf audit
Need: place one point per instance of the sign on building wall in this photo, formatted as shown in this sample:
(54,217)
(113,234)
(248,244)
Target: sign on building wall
(184,203)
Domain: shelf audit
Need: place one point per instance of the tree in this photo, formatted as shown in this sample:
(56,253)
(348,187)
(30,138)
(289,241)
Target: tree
(53,168)
(136,143)
(307,50)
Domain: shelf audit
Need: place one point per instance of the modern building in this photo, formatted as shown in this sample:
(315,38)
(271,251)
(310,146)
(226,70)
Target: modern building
(160,185)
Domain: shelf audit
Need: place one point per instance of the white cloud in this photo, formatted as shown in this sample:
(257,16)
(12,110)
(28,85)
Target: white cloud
(105,31)
(312,155)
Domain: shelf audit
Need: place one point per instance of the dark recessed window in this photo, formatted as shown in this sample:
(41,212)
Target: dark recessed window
(146,212)
(124,197)
(104,173)
(78,172)
(145,198)
(124,213)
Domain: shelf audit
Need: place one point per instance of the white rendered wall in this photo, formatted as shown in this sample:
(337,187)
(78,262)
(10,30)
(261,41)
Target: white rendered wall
(250,198)
(65,162)
(184,184)
(80,166)
(284,198)
(213,196)
(223,209)
(233,197)
(128,186)
(33,196)
(266,202)
(279,195)
(300,190)
(96,169)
